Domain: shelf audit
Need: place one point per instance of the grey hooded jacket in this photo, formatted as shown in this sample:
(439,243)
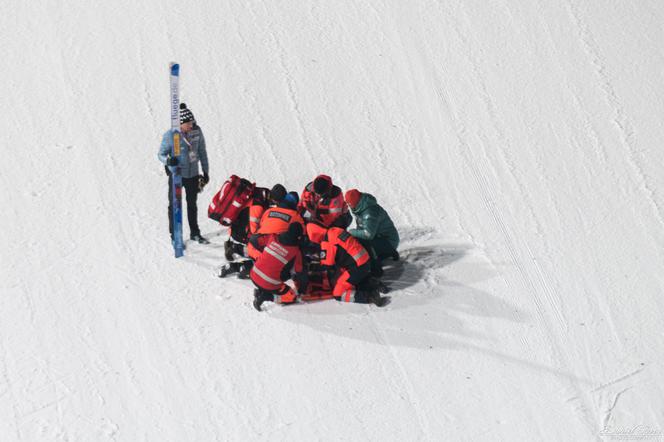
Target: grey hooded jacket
(192,150)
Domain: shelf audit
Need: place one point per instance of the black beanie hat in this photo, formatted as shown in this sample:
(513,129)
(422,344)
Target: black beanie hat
(185,114)
(322,184)
(277,193)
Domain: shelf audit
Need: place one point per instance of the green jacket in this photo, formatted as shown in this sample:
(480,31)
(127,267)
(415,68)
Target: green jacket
(373,221)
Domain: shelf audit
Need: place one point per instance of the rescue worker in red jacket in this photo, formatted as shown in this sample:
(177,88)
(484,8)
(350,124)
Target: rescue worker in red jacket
(246,223)
(274,220)
(280,261)
(245,226)
(350,264)
(324,202)
(242,228)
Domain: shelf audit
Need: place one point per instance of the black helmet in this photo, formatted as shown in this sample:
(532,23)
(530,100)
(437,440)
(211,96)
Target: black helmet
(277,193)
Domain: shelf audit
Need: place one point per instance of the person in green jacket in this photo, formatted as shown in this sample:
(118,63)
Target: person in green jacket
(375,229)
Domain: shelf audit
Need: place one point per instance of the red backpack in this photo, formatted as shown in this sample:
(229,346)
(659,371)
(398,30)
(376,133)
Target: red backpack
(234,195)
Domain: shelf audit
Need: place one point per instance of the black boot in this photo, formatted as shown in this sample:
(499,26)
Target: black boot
(227,269)
(231,247)
(383,288)
(239,249)
(228,250)
(197,237)
(260,298)
(244,268)
(375,298)
(374,283)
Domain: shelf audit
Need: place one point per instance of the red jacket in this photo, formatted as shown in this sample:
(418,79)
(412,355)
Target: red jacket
(337,238)
(325,209)
(277,220)
(255,213)
(339,248)
(274,265)
(259,204)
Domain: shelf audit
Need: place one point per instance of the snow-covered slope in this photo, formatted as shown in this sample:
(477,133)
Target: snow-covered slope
(516,144)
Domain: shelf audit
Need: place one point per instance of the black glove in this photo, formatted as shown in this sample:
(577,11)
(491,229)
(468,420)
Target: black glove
(206,178)
(201,183)
(344,221)
(310,250)
(171,161)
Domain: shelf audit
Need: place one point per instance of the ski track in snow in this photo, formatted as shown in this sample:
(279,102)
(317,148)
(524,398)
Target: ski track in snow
(621,120)
(412,397)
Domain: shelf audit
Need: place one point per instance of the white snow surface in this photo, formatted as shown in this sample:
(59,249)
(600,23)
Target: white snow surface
(516,144)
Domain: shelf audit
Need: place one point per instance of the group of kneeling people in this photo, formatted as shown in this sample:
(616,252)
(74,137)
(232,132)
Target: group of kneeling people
(281,236)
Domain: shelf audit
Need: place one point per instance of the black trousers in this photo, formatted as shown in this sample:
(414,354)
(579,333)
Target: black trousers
(190,186)
(240,227)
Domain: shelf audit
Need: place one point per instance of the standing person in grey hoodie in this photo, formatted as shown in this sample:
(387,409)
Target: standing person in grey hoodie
(192,151)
